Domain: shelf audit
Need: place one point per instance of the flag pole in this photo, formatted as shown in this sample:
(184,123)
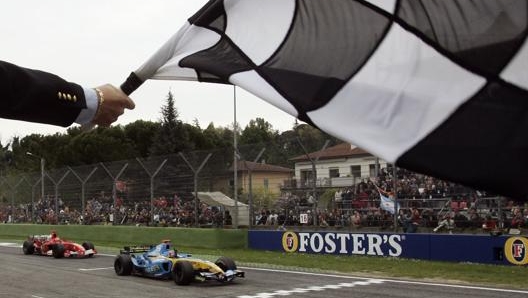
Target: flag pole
(396,211)
(235,157)
(394,197)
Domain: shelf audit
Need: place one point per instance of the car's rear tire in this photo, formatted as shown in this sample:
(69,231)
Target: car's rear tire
(28,248)
(123,265)
(226,263)
(58,251)
(87,246)
(183,273)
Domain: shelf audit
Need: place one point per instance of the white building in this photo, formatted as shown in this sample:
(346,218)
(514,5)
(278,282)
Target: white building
(340,165)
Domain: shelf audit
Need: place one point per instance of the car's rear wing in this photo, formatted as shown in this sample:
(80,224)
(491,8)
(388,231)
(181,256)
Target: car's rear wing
(39,237)
(136,249)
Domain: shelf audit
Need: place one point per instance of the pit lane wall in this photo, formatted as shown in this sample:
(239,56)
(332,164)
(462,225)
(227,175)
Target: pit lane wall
(486,249)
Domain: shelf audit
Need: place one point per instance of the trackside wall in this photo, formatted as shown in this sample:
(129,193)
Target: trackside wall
(435,247)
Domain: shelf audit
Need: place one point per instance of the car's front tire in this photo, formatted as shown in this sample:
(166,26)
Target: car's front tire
(123,265)
(28,248)
(182,273)
(226,263)
(58,251)
(87,246)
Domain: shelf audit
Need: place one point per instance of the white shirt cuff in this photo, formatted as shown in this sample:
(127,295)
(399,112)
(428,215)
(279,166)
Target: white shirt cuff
(86,115)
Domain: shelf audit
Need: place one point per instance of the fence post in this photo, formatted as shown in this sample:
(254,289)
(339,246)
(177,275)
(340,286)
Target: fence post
(27,182)
(33,199)
(196,172)
(152,176)
(2,181)
(83,186)
(114,181)
(314,175)
(13,199)
(56,185)
(250,186)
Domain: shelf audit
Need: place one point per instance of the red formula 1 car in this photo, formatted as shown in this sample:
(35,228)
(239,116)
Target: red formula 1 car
(52,245)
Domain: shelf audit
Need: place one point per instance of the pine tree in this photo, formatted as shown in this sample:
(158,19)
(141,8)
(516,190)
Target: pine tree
(171,137)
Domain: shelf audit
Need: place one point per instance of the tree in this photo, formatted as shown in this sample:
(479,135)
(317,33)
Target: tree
(218,137)
(258,134)
(100,145)
(258,131)
(171,137)
(312,139)
(31,143)
(6,157)
(197,140)
(142,134)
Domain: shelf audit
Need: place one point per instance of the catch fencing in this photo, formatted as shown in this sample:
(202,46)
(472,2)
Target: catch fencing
(110,190)
(162,190)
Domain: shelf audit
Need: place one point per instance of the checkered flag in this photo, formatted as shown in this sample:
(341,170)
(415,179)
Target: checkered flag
(435,86)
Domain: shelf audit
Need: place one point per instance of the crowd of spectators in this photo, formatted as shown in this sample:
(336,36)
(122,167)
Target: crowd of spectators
(173,211)
(425,203)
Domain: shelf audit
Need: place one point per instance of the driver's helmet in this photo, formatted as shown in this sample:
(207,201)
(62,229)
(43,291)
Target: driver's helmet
(53,235)
(171,254)
(166,248)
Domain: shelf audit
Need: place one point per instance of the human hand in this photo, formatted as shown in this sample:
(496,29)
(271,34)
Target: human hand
(113,104)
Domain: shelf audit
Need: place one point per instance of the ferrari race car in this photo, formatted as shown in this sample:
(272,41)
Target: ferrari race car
(52,245)
(164,262)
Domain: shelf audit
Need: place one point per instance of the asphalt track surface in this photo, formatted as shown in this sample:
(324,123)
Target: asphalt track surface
(45,277)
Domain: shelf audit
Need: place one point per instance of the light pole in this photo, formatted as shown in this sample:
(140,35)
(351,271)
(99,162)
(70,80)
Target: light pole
(42,164)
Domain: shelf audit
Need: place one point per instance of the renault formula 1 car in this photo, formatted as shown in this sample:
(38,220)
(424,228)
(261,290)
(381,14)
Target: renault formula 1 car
(164,262)
(52,245)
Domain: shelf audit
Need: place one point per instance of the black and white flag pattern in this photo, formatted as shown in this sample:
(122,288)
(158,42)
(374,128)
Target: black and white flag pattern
(436,86)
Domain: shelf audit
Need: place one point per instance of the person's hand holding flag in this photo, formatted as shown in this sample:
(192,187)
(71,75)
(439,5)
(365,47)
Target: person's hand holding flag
(112,103)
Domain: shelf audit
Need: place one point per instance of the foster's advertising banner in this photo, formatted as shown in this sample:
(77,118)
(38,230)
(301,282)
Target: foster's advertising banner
(439,247)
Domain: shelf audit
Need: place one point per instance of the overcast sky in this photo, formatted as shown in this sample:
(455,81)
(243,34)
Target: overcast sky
(102,41)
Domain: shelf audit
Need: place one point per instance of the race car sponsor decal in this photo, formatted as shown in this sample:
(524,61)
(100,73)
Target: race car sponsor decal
(343,243)
(153,268)
(515,250)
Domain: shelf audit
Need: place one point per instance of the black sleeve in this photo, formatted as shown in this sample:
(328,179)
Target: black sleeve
(37,96)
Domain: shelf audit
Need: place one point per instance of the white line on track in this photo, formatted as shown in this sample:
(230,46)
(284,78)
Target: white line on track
(394,281)
(307,273)
(94,269)
(107,255)
(457,286)
(312,289)
(9,244)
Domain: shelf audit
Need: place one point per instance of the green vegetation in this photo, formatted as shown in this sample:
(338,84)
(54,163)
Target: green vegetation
(146,139)
(117,236)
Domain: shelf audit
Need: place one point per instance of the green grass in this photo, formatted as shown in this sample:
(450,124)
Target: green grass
(117,235)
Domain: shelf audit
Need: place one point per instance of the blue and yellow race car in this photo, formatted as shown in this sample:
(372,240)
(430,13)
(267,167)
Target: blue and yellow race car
(164,261)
